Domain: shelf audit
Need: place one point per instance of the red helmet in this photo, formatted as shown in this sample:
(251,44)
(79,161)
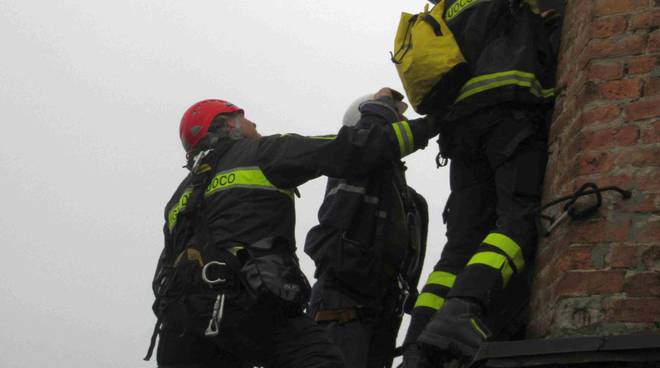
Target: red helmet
(197,119)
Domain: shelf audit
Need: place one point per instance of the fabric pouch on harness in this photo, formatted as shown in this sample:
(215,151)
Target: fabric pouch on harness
(220,305)
(272,273)
(429,61)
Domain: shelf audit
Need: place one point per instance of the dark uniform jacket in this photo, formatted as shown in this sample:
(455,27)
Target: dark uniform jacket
(251,194)
(371,231)
(508,51)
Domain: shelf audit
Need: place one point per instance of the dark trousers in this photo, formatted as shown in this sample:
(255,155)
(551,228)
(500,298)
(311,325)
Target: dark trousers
(490,219)
(365,343)
(369,340)
(248,338)
(498,160)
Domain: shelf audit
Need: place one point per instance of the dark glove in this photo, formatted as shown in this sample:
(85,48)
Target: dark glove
(413,357)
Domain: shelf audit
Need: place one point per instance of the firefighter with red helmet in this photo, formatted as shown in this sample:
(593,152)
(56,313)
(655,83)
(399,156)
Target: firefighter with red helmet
(228,286)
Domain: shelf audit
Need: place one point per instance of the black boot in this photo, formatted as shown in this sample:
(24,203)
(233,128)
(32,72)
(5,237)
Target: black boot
(457,328)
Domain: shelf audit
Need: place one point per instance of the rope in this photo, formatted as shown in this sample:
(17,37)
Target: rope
(576,213)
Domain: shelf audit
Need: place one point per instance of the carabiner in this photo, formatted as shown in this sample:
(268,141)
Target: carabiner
(205,277)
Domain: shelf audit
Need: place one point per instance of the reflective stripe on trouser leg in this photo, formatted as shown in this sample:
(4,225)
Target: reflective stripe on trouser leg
(429,301)
(510,248)
(495,261)
(498,258)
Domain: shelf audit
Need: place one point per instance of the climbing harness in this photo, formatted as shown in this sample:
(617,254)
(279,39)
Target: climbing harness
(569,209)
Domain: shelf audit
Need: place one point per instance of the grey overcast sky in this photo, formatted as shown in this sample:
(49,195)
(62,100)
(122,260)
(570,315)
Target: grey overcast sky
(91,93)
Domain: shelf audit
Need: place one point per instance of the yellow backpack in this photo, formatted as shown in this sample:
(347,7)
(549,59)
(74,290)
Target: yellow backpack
(429,60)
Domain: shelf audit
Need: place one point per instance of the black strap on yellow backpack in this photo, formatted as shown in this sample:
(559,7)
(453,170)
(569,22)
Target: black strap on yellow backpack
(428,59)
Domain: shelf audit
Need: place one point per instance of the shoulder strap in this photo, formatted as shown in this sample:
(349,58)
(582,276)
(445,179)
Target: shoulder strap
(192,219)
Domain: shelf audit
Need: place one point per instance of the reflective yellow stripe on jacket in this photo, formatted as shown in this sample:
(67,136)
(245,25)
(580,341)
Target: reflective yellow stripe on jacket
(509,78)
(174,212)
(242,177)
(457,7)
(431,300)
(405,137)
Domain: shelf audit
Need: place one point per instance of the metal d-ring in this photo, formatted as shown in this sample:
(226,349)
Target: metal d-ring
(206,267)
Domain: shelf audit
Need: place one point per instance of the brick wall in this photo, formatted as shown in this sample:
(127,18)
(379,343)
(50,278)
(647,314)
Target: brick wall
(601,276)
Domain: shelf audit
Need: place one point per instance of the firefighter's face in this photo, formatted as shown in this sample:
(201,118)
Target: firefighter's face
(248,128)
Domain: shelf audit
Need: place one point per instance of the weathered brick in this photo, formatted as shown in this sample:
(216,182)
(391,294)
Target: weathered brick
(608,27)
(606,130)
(557,126)
(549,250)
(578,258)
(622,46)
(654,41)
(621,89)
(601,114)
(577,313)
(609,7)
(642,284)
(644,109)
(594,162)
(642,201)
(576,283)
(649,232)
(645,20)
(609,138)
(641,64)
(605,71)
(634,310)
(589,94)
(652,87)
(651,133)
(623,180)
(640,157)
(651,258)
(623,256)
(598,230)
(648,180)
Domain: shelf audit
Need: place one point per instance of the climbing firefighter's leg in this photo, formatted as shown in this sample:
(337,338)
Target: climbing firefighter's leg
(517,154)
(469,215)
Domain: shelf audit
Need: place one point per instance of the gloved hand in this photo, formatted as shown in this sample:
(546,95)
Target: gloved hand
(396,99)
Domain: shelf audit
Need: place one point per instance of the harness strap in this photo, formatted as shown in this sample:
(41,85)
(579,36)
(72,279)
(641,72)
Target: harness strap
(201,177)
(152,343)
(337,315)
